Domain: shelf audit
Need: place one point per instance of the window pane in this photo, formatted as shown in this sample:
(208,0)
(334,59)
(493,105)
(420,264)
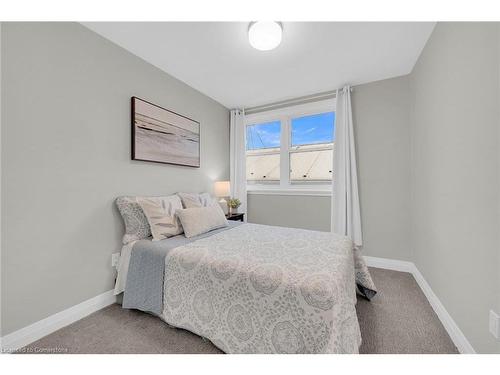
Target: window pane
(313,129)
(311,156)
(263,152)
(265,135)
(311,165)
(262,168)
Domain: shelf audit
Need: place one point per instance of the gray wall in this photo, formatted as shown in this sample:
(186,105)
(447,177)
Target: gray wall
(455,164)
(66,156)
(381,119)
(294,211)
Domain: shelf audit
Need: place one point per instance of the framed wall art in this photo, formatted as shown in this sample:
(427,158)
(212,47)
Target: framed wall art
(163,136)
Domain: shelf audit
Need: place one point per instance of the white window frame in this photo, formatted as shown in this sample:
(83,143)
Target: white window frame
(285,116)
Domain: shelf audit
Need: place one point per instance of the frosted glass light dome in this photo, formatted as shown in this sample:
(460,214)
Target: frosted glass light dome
(264,35)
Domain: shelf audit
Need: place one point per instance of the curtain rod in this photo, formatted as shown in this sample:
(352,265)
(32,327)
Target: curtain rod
(295,101)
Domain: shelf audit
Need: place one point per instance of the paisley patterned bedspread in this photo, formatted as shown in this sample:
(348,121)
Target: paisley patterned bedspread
(263,289)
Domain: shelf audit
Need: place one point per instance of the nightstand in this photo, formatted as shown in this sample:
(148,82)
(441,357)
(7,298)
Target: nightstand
(235,216)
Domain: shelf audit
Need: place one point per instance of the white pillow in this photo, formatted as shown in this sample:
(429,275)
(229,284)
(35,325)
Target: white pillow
(190,200)
(160,212)
(199,220)
(207,200)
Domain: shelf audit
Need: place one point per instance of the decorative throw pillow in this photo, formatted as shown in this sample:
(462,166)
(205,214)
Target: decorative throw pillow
(199,220)
(136,223)
(160,212)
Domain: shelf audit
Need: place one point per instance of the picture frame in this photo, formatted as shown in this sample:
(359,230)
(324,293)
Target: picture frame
(162,136)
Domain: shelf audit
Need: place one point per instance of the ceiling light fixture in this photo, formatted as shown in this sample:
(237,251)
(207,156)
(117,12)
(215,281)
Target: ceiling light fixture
(265,36)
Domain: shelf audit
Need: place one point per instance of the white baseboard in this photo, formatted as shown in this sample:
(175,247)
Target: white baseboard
(35,331)
(457,336)
(463,345)
(389,264)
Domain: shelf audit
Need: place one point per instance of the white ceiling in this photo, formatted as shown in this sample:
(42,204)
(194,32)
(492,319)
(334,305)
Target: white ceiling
(216,58)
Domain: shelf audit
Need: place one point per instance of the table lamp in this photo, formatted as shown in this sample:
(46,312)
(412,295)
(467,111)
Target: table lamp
(222,190)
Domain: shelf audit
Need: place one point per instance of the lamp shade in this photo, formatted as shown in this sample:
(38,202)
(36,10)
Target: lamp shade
(222,189)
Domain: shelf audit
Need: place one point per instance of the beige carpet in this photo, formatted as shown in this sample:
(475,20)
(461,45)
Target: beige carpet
(398,320)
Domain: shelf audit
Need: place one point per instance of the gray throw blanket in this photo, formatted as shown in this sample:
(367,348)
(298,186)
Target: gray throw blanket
(144,286)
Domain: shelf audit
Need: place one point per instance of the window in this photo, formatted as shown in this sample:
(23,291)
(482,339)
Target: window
(291,149)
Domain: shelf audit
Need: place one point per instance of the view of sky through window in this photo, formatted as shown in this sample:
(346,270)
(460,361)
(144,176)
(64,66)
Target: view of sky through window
(266,135)
(313,129)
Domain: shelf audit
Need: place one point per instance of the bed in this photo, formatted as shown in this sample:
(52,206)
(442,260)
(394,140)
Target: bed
(252,288)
